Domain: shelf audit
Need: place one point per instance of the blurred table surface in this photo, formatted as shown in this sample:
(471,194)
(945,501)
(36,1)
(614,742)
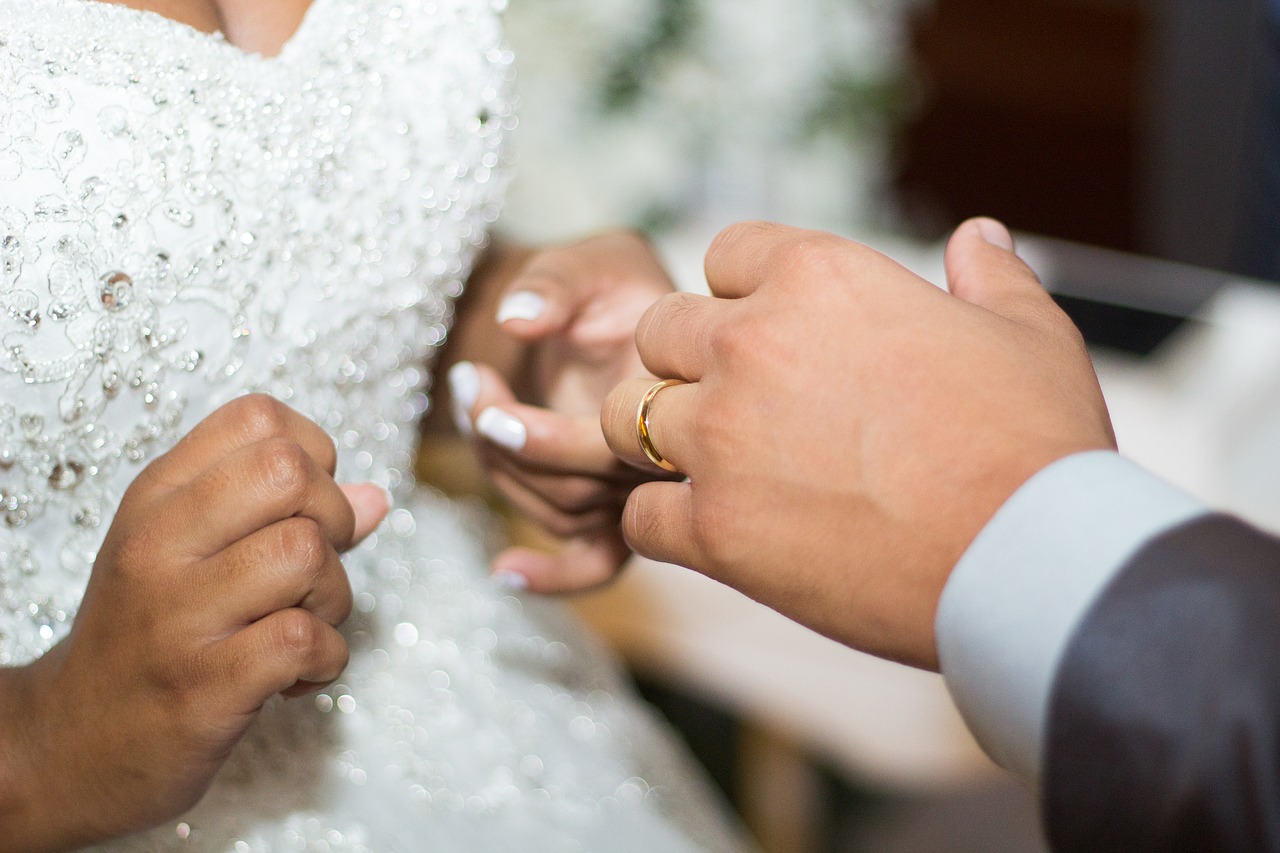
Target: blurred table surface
(1203,411)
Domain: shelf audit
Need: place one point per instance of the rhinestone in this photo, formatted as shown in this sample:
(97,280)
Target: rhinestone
(116,290)
(66,475)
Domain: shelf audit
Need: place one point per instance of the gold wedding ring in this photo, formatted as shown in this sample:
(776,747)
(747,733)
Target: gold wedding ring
(642,424)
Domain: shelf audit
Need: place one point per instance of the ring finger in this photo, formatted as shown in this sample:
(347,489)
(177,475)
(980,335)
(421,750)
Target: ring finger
(667,419)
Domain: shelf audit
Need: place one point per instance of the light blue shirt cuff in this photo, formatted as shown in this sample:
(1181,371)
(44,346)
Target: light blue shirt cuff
(1018,593)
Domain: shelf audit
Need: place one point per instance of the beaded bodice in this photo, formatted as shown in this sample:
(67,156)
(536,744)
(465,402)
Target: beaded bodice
(182,222)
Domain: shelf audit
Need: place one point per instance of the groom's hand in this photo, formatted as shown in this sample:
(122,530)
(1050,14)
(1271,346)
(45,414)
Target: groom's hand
(848,428)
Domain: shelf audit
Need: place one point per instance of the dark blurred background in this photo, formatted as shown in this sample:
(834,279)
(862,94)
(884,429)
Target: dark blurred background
(1151,126)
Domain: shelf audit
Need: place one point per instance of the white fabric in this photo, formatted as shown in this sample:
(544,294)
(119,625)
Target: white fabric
(1016,596)
(181,223)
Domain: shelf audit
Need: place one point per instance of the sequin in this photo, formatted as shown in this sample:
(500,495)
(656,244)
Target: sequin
(182,223)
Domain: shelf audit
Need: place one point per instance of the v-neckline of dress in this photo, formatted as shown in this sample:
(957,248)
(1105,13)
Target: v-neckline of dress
(163,22)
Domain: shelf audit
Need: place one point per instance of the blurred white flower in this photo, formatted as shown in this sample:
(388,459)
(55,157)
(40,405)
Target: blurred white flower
(650,112)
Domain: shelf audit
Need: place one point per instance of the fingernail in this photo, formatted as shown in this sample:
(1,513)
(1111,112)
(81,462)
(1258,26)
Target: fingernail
(502,428)
(386,493)
(521,305)
(464,388)
(995,233)
(464,384)
(510,580)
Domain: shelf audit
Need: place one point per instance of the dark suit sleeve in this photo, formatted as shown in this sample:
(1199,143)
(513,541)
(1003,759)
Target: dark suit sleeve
(1163,725)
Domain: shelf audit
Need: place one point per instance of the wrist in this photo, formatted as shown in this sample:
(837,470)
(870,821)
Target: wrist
(1020,590)
(35,816)
(20,798)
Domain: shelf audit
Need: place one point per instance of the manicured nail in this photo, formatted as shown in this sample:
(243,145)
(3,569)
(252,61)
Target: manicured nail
(386,493)
(510,580)
(521,305)
(464,388)
(995,233)
(464,384)
(502,428)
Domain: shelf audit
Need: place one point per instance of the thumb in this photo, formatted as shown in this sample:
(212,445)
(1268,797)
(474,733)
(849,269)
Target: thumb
(371,503)
(982,269)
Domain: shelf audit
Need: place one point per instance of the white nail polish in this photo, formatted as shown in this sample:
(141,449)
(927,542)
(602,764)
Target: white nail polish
(464,388)
(521,305)
(464,384)
(462,422)
(502,428)
(386,493)
(510,580)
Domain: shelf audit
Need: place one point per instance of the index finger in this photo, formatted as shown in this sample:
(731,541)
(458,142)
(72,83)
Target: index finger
(244,421)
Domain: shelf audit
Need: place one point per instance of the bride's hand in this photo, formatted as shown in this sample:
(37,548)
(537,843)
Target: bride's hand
(575,308)
(218,585)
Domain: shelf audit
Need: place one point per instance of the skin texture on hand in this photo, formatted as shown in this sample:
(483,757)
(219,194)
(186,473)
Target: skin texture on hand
(218,585)
(848,428)
(572,310)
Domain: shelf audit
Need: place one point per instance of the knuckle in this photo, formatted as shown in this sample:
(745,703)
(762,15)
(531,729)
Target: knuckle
(724,244)
(649,328)
(134,551)
(285,468)
(297,633)
(811,257)
(261,416)
(303,546)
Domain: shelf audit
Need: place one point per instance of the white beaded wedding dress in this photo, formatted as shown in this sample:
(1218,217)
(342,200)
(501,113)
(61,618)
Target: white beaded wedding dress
(182,222)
